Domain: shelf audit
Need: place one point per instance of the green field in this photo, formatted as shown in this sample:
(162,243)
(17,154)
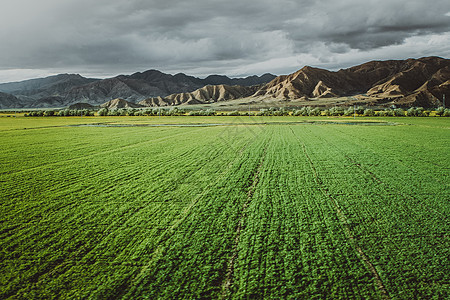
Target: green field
(240,207)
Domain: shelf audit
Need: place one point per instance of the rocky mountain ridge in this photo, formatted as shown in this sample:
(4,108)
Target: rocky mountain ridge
(206,94)
(404,83)
(66,89)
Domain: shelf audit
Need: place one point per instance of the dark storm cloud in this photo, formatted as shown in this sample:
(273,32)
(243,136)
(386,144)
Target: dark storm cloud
(210,36)
(370,24)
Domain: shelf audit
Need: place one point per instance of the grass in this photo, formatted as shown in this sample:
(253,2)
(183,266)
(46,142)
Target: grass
(267,209)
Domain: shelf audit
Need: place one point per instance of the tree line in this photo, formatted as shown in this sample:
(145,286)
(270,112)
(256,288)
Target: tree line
(272,111)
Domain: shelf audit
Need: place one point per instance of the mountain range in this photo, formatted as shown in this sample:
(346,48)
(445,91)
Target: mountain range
(405,83)
(67,89)
(411,82)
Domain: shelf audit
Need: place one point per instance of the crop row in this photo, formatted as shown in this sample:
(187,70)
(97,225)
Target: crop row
(280,211)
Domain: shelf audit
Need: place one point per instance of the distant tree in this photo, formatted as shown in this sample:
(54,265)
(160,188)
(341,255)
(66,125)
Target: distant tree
(113,112)
(302,112)
(148,111)
(368,112)
(411,112)
(103,111)
(263,112)
(305,110)
(360,110)
(398,112)
(388,112)
(131,111)
(440,111)
(315,112)
(233,113)
(379,113)
(415,112)
(173,111)
(122,111)
(296,112)
(156,111)
(420,112)
(210,112)
(336,111)
(280,112)
(75,112)
(349,111)
(87,112)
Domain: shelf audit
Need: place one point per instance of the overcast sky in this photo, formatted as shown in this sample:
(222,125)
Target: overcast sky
(104,38)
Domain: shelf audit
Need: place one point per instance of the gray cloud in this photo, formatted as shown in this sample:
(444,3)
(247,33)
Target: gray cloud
(210,36)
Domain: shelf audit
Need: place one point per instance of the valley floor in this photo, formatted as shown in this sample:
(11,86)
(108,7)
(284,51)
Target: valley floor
(240,207)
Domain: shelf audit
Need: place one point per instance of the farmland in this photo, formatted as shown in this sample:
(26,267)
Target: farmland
(224,208)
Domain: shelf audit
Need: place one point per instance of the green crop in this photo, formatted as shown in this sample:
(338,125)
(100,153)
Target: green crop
(269,207)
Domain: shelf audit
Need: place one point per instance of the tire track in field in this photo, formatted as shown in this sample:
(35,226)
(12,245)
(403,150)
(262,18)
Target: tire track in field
(380,182)
(387,187)
(345,224)
(132,171)
(75,179)
(113,225)
(120,148)
(353,137)
(229,275)
(183,215)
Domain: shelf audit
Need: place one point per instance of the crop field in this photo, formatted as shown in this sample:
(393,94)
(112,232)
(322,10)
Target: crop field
(224,208)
